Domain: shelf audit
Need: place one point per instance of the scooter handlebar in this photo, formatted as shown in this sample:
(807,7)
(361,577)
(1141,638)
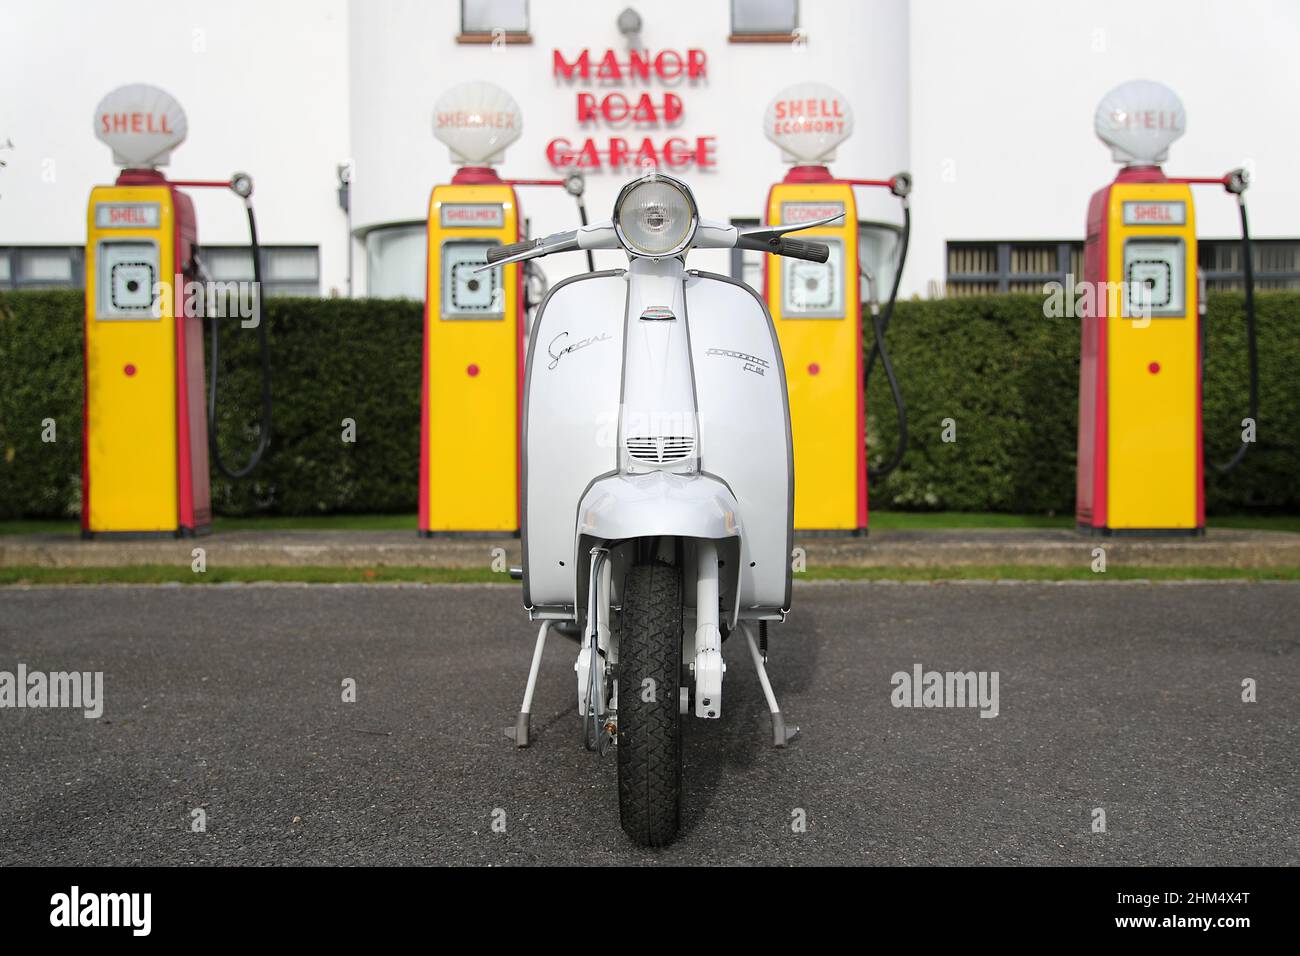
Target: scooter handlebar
(497,253)
(801,249)
(711,236)
(530,249)
(791,248)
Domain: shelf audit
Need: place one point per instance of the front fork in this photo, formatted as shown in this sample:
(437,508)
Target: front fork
(593,663)
(707,667)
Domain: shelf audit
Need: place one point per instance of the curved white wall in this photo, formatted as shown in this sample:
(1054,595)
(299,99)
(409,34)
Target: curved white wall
(404,55)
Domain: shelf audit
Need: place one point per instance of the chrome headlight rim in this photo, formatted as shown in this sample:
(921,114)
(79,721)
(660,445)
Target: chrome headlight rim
(631,247)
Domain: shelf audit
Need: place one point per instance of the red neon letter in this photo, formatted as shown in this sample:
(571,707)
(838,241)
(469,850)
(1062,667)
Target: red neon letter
(558,153)
(559,68)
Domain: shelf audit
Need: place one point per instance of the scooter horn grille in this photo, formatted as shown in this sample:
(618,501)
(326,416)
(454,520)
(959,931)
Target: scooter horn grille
(661,450)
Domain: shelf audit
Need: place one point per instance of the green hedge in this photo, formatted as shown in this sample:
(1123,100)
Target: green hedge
(1008,377)
(331,359)
(40,378)
(1004,373)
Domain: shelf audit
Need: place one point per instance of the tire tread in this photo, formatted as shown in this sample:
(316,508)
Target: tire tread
(649,732)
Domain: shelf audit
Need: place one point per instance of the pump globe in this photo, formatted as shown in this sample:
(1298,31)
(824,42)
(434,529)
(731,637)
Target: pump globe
(808,121)
(477,121)
(142,124)
(1139,120)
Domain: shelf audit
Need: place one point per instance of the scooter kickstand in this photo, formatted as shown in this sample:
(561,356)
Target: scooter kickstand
(781,735)
(519,732)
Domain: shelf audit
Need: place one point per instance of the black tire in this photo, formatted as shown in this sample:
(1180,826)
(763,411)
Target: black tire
(650,732)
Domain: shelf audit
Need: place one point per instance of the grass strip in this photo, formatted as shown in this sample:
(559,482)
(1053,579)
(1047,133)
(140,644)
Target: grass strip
(318,574)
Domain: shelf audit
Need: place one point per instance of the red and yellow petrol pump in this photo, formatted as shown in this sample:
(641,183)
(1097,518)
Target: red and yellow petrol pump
(1140,454)
(145,439)
(817,310)
(474,323)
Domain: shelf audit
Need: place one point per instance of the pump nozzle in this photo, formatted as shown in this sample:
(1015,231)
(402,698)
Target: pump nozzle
(1236,180)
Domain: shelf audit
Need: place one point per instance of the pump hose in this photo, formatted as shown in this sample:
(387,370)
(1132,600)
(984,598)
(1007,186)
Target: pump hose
(1248,274)
(879,325)
(264,440)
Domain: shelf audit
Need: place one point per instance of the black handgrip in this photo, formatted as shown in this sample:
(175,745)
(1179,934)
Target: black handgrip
(779,246)
(799,249)
(497,253)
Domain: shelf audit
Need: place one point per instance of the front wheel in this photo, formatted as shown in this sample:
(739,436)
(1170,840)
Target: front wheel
(649,721)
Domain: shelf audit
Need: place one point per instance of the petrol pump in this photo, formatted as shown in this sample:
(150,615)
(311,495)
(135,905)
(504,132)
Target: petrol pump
(1141,464)
(145,443)
(475,322)
(817,310)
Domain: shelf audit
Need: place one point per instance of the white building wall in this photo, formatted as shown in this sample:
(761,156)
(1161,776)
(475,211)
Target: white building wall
(1003,95)
(264,84)
(989,103)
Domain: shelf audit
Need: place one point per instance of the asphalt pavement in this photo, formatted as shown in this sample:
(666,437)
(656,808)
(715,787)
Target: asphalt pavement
(228,699)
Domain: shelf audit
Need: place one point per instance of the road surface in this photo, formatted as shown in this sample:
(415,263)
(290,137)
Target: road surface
(1124,698)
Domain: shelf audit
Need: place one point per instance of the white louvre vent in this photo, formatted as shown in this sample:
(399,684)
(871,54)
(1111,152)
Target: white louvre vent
(661,450)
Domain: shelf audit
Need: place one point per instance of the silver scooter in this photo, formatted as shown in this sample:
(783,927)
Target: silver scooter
(658,482)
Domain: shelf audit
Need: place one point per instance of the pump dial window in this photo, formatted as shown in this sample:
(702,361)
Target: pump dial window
(132,285)
(813,290)
(1151,278)
(466,292)
(126,275)
(1155,278)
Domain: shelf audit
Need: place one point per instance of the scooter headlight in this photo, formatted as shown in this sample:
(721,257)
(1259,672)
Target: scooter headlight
(655,216)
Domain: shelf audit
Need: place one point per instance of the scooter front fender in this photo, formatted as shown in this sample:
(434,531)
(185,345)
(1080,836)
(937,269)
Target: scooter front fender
(664,504)
(658,503)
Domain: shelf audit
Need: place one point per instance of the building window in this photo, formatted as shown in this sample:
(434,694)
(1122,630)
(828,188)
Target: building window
(286,270)
(1276,261)
(996,268)
(42,267)
(494,21)
(877,260)
(764,21)
(395,261)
